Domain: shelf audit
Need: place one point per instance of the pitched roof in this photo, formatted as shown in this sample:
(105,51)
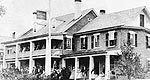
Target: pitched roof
(3,39)
(113,19)
(68,21)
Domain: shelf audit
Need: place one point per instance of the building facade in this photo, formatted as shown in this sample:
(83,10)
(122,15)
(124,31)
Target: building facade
(83,40)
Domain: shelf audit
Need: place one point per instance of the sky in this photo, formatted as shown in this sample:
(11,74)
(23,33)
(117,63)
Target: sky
(19,17)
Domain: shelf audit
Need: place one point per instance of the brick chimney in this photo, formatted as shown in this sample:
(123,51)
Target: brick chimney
(34,21)
(77,9)
(14,35)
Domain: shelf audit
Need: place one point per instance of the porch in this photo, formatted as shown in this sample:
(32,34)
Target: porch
(92,65)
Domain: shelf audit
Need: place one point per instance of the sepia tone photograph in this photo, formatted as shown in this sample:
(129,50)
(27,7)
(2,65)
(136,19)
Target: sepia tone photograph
(74,40)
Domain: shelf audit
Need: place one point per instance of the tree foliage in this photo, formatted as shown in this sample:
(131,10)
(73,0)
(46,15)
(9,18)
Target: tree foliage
(2,10)
(129,63)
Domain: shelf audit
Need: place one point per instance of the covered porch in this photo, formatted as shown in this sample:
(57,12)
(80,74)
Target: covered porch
(91,65)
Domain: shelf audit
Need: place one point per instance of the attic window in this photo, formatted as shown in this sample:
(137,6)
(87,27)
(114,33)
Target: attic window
(89,19)
(142,20)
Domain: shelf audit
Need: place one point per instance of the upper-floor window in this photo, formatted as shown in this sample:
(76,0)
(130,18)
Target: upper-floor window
(132,38)
(142,20)
(9,51)
(148,41)
(111,39)
(84,42)
(96,40)
(68,42)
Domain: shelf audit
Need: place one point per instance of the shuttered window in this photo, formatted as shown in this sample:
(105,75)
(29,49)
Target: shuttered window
(111,39)
(67,43)
(132,38)
(84,42)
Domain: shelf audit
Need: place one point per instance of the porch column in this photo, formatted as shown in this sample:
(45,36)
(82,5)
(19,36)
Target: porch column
(91,66)
(63,63)
(4,56)
(107,67)
(31,63)
(48,57)
(76,67)
(17,65)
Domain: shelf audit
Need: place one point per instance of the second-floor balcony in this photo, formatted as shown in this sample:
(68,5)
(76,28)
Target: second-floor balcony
(24,54)
(10,56)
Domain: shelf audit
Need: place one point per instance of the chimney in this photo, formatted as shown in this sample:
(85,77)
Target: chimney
(14,35)
(102,12)
(77,9)
(34,21)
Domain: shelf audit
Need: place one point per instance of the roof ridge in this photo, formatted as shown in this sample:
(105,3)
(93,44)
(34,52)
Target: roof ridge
(73,13)
(128,9)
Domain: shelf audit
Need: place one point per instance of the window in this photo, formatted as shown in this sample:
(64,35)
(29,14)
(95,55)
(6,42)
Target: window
(68,42)
(132,38)
(148,41)
(84,42)
(96,40)
(111,39)
(142,20)
(9,51)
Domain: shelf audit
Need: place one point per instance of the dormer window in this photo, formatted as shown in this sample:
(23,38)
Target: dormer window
(89,19)
(142,20)
(111,39)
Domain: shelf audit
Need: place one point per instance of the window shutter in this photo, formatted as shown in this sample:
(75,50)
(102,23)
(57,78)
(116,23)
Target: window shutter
(146,41)
(128,38)
(82,43)
(65,42)
(135,40)
(73,44)
(92,42)
(86,42)
(107,35)
(115,38)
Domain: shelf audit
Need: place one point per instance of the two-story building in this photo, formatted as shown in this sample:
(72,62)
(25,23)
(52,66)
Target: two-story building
(82,40)
(98,43)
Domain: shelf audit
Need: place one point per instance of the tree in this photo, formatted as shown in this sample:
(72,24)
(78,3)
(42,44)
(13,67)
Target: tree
(2,10)
(129,63)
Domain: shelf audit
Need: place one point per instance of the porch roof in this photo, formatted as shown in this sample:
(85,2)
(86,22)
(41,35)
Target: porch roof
(84,53)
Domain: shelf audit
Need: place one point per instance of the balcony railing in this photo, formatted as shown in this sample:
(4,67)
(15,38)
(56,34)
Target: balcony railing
(54,52)
(10,56)
(24,54)
(39,52)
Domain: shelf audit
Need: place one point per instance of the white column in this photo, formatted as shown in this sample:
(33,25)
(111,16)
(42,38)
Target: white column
(107,67)
(76,67)
(30,58)
(91,66)
(4,56)
(48,58)
(17,65)
(63,63)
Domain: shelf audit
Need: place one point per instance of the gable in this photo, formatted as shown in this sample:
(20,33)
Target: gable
(126,17)
(82,22)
